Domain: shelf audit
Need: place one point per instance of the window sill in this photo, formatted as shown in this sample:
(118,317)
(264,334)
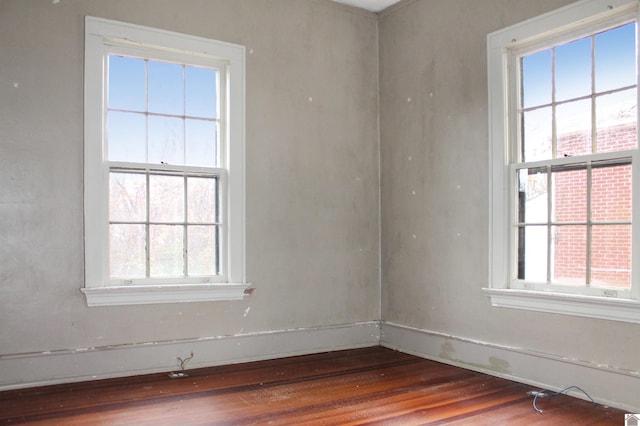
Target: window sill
(150,294)
(624,310)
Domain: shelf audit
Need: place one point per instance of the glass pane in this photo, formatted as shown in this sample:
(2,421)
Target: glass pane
(126,137)
(127,83)
(573,123)
(536,79)
(532,253)
(166,88)
(166,254)
(611,255)
(202,143)
(166,140)
(537,135)
(127,197)
(127,251)
(202,96)
(615,55)
(203,250)
(533,205)
(569,196)
(611,193)
(616,121)
(569,254)
(166,198)
(202,200)
(573,69)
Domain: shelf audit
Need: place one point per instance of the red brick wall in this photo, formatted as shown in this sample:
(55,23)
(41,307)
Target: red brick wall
(610,201)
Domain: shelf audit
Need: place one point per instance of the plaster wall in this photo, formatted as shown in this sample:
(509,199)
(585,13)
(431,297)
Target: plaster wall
(325,85)
(434,188)
(312,176)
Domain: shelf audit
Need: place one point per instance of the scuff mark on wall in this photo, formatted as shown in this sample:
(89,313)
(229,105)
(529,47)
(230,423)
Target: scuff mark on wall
(447,352)
(500,365)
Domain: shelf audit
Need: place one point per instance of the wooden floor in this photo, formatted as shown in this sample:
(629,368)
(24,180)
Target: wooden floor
(354,387)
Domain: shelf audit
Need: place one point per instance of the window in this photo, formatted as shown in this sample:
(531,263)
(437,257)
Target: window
(164,166)
(564,156)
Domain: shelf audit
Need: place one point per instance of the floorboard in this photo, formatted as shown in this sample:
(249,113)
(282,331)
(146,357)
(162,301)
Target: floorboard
(354,387)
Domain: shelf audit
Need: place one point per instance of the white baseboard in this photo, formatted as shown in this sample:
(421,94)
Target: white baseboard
(606,385)
(81,364)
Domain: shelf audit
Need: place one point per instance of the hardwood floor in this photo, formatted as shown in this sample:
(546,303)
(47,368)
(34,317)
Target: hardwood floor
(355,387)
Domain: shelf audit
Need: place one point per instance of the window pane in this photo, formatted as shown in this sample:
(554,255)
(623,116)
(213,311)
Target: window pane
(166,254)
(615,55)
(616,117)
(127,83)
(611,193)
(611,255)
(569,254)
(127,137)
(534,202)
(166,198)
(166,140)
(166,88)
(127,251)
(537,134)
(202,143)
(127,197)
(202,200)
(573,69)
(569,195)
(536,79)
(573,121)
(203,250)
(532,253)
(202,96)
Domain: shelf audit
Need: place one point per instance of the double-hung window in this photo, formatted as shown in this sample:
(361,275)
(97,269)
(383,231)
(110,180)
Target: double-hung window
(164,166)
(563,93)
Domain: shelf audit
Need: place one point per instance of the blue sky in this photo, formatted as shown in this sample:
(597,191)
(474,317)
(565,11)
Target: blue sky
(615,57)
(137,87)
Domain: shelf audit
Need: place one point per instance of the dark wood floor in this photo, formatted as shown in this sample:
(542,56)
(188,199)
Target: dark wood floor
(354,387)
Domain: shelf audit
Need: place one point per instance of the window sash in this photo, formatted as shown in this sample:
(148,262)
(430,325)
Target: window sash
(122,47)
(519,225)
(218,223)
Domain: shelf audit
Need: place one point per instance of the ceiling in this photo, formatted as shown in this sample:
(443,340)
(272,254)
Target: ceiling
(370,5)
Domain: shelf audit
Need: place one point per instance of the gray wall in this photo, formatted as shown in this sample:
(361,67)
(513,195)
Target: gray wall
(313,190)
(312,171)
(434,180)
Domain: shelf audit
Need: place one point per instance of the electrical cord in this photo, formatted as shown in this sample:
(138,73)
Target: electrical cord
(542,394)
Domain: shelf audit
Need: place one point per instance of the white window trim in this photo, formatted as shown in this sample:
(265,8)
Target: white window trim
(563,20)
(98,34)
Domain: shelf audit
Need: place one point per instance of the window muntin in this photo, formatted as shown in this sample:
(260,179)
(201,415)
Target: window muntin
(577,115)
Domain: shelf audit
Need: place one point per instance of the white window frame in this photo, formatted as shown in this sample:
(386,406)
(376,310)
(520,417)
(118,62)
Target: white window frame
(106,36)
(611,305)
